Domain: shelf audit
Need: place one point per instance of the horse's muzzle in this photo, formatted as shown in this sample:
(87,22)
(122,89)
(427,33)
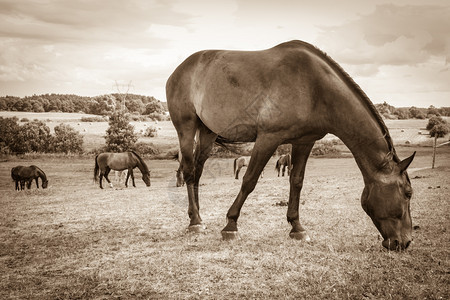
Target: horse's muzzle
(396,245)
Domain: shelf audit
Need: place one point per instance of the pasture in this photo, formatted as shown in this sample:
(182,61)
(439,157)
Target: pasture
(74,241)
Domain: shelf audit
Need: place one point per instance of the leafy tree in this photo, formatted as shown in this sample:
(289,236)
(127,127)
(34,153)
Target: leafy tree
(416,113)
(433,111)
(435,121)
(120,135)
(66,139)
(438,127)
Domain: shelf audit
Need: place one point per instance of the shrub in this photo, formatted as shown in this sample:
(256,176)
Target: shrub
(66,139)
(32,137)
(151,132)
(120,134)
(324,148)
(93,119)
(145,149)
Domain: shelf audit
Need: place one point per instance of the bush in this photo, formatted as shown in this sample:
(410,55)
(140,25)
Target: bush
(151,132)
(93,119)
(32,137)
(324,148)
(66,140)
(145,149)
(120,134)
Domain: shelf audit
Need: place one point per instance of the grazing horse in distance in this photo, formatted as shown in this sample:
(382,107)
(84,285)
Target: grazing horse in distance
(25,175)
(105,162)
(240,162)
(284,161)
(293,94)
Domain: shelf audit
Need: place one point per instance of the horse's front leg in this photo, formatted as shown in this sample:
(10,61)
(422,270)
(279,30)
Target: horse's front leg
(37,183)
(300,154)
(264,147)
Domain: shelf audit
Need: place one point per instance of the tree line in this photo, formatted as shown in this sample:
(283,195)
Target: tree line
(402,113)
(98,105)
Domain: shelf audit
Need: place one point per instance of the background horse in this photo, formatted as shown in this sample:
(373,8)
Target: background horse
(25,175)
(240,162)
(293,94)
(105,162)
(284,161)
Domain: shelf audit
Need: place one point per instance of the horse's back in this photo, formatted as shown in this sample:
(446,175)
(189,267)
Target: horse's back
(115,161)
(235,93)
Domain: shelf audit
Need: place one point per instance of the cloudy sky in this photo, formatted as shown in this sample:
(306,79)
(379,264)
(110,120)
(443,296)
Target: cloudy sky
(397,50)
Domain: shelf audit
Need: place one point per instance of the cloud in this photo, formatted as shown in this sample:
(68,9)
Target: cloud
(391,35)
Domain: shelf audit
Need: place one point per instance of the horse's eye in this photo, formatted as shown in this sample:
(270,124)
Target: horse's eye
(408,194)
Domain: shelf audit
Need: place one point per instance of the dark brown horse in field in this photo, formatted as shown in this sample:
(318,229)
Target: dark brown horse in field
(105,162)
(283,162)
(25,175)
(293,94)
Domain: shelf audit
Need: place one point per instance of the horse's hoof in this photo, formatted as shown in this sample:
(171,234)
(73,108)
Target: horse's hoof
(301,236)
(196,228)
(230,235)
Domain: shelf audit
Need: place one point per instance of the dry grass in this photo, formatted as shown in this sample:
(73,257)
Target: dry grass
(75,241)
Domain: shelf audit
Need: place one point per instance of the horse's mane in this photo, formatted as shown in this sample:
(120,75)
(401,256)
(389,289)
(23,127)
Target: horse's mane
(356,88)
(40,170)
(144,165)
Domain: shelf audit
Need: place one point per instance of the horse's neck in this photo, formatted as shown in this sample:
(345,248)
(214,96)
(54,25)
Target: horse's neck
(362,133)
(41,174)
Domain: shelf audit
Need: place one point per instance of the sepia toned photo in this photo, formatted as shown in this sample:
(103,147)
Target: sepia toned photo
(242,149)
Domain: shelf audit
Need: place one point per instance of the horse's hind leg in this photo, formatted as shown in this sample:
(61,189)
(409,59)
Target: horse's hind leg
(205,142)
(106,176)
(264,147)
(237,172)
(132,177)
(300,154)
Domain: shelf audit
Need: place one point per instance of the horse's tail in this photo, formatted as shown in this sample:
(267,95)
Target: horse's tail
(96,169)
(277,165)
(234,165)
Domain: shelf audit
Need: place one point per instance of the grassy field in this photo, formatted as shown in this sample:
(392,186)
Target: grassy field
(76,241)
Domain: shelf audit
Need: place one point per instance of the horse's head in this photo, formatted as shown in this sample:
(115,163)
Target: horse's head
(146,178)
(387,201)
(44,184)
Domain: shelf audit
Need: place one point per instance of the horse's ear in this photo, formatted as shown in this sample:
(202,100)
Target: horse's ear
(404,164)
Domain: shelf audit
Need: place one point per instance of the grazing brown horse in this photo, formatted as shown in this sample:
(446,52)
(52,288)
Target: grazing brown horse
(25,175)
(293,94)
(284,161)
(105,162)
